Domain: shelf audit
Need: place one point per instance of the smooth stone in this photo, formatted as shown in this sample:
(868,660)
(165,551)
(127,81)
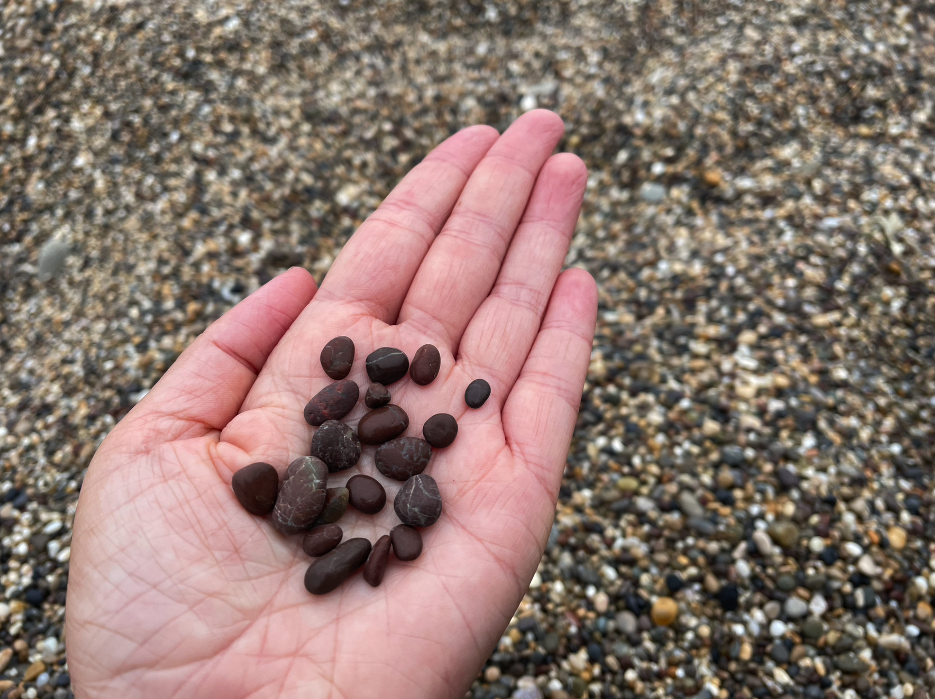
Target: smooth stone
(375,566)
(785,582)
(477,393)
(784,533)
(335,506)
(690,506)
(440,430)
(813,628)
(377,396)
(664,611)
(366,494)
(729,597)
(386,365)
(850,663)
(627,622)
(256,487)
(795,607)
(403,457)
(407,542)
(652,192)
(732,455)
(52,258)
(419,503)
(321,540)
(337,357)
(763,543)
(332,402)
(382,425)
(301,496)
(336,566)
(337,445)
(425,365)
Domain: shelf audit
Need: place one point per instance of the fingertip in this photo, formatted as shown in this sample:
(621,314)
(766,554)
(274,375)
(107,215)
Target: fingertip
(299,280)
(575,297)
(569,168)
(479,133)
(545,119)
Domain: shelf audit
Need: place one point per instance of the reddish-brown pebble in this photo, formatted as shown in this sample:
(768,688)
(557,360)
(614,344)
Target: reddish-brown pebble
(386,365)
(375,566)
(377,396)
(382,425)
(337,357)
(366,494)
(321,540)
(403,457)
(336,566)
(440,430)
(407,542)
(418,503)
(425,365)
(337,445)
(332,402)
(301,496)
(256,487)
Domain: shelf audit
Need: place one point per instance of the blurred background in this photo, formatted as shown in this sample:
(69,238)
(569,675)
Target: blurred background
(748,503)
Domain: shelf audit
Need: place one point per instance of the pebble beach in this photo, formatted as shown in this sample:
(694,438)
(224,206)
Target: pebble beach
(748,507)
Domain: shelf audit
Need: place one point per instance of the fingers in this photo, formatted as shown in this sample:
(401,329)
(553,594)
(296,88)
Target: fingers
(205,387)
(376,267)
(498,338)
(539,415)
(463,262)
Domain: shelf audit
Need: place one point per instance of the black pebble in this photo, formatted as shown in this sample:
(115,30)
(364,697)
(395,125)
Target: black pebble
(674,582)
(728,597)
(477,393)
(828,556)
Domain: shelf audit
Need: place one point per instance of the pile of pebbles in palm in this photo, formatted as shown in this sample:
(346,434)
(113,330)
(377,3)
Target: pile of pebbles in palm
(302,502)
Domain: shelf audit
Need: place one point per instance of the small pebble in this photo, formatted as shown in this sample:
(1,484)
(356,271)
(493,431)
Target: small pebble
(786,534)
(375,566)
(301,496)
(337,445)
(336,566)
(477,393)
(321,540)
(674,582)
(897,537)
(52,258)
(382,425)
(366,494)
(332,402)
(425,365)
(337,357)
(795,607)
(403,457)
(418,503)
(387,365)
(729,597)
(777,628)
(664,611)
(377,396)
(407,542)
(440,430)
(335,506)
(256,487)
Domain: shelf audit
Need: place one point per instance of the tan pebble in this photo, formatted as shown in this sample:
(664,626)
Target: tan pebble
(725,479)
(5,656)
(492,673)
(711,428)
(897,537)
(558,694)
(6,684)
(22,650)
(664,612)
(15,693)
(746,651)
(712,178)
(711,583)
(924,611)
(34,670)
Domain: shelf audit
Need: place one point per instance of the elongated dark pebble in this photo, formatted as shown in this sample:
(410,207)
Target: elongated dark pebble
(337,445)
(377,396)
(382,425)
(418,503)
(366,494)
(256,487)
(321,540)
(440,430)
(301,496)
(336,566)
(386,365)
(403,457)
(375,566)
(335,506)
(407,542)
(477,393)
(337,357)
(425,365)
(332,402)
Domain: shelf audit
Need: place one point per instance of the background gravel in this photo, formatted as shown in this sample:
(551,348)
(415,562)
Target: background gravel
(748,503)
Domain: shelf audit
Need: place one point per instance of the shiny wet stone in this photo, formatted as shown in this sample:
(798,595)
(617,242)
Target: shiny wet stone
(382,425)
(386,365)
(366,494)
(332,402)
(337,357)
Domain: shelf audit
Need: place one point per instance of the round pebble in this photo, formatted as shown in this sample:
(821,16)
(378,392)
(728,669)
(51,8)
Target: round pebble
(387,365)
(332,402)
(337,445)
(403,457)
(418,503)
(301,496)
(897,537)
(366,494)
(477,393)
(256,487)
(336,566)
(425,365)
(375,567)
(440,430)
(664,611)
(337,357)
(382,425)
(321,540)
(407,542)
(377,396)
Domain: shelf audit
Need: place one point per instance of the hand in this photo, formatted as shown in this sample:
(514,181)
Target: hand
(176,591)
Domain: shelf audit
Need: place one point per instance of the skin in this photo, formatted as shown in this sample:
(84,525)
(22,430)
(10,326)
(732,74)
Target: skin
(176,591)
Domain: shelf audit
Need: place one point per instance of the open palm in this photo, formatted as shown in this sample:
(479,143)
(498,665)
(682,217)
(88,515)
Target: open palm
(176,591)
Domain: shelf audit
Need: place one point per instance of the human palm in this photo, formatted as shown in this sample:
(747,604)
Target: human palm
(176,591)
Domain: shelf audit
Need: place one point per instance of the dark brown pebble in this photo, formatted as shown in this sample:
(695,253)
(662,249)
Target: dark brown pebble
(382,425)
(407,542)
(402,458)
(440,430)
(425,365)
(477,393)
(321,540)
(376,564)
(336,566)
(256,487)
(301,496)
(418,503)
(377,396)
(335,506)
(337,357)
(386,365)
(337,445)
(366,494)
(332,402)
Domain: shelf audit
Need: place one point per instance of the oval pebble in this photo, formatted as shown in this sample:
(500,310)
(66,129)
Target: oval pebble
(418,503)
(425,365)
(337,357)
(301,496)
(377,396)
(337,445)
(332,402)
(366,494)
(440,430)
(335,506)
(407,542)
(376,563)
(336,566)
(386,365)
(256,487)
(403,457)
(321,540)
(382,425)
(477,393)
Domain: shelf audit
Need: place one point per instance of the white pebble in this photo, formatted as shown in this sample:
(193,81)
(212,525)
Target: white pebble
(763,543)
(921,585)
(4,611)
(816,544)
(818,605)
(53,527)
(742,568)
(42,680)
(852,549)
(777,628)
(868,566)
(64,554)
(601,602)
(912,631)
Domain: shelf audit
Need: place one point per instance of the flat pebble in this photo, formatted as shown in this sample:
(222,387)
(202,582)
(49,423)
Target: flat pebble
(387,365)
(377,396)
(332,402)
(52,258)
(337,357)
(301,496)
(337,445)
(795,607)
(382,425)
(335,506)
(403,457)
(375,566)
(366,494)
(440,430)
(763,543)
(407,542)
(336,566)
(256,487)
(425,365)
(477,393)
(419,503)
(321,540)
(786,534)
